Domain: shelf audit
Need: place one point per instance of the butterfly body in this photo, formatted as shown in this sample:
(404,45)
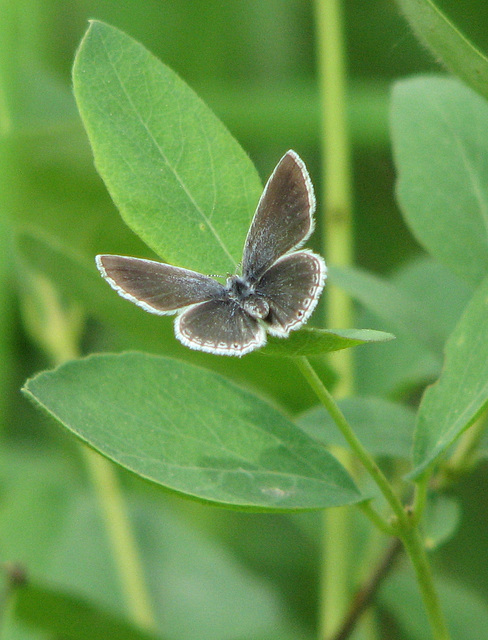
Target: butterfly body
(244,294)
(276,293)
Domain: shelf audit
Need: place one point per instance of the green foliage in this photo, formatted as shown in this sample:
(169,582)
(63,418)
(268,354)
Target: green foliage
(460,395)
(244,434)
(444,195)
(447,42)
(144,125)
(193,432)
(466,612)
(59,614)
(309,342)
(385,428)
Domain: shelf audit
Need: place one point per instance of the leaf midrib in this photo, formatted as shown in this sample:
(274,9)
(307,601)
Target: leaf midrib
(173,170)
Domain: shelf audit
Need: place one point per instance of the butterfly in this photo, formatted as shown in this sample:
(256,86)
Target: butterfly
(277,292)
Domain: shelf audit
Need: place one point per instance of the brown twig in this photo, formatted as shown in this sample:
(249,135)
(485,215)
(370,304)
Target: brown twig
(366,593)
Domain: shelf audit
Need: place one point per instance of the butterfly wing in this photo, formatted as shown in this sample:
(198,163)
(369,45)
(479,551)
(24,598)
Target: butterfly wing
(292,288)
(220,327)
(157,287)
(283,218)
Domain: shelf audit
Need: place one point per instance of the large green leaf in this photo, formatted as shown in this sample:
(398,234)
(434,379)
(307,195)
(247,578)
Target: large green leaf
(459,396)
(192,431)
(440,133)
(448,44)
(198,587)
(180,180)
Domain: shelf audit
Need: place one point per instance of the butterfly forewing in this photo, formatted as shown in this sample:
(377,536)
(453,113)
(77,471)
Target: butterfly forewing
(283,218)
(157,287)
(292,287)
(221,327)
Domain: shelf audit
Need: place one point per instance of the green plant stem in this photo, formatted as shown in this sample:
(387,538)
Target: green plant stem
(336,176)
(377,519)
(121,536)
(336,181)
(415,548)
(358,449)
(57,330)
(405,526)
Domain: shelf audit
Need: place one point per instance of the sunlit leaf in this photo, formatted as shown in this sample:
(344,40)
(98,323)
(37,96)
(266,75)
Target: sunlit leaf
(178,177)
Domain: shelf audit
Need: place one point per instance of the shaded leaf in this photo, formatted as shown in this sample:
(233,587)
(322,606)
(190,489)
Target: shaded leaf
(442,516)
(383,427)
(61,614)
(388,302)
(178,177)
(405,366)
(465,610)
(440,129)
(192,431)
(454,402)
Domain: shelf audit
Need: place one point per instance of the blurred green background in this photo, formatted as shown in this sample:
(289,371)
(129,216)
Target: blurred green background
(254,63)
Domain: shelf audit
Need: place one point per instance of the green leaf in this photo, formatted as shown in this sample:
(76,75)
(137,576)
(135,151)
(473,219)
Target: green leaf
(440,133)
(180,180)
(406,366)
(465,610)
(441,520)
(198,585)
(383,427)
(388,302)
(61,614)
(310,341)
(448,44)
(192,431)
(451,405)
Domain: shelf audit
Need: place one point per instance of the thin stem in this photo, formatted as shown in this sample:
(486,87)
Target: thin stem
(336,177)
(418,556)
(376,518)
(335,570)
(336,182)
(121,536)
(366,593)
(345,428)
(58,330)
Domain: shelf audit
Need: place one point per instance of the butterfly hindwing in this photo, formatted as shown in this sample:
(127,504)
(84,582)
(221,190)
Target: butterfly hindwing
(221,327)
(292,287)
(157,287)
